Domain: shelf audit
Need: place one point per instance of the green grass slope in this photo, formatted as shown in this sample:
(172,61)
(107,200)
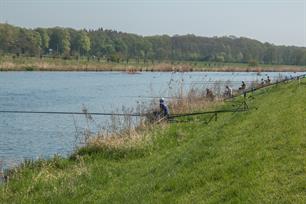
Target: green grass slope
(257,156)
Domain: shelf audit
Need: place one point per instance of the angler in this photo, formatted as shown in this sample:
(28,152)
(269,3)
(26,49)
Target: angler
(164,110)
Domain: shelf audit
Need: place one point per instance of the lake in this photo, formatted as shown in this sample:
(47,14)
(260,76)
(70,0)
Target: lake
(30,136)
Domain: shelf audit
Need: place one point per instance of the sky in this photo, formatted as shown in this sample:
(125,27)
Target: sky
(281,22)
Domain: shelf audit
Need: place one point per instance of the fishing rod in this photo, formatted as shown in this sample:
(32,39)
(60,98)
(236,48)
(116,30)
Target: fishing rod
(153,97)
(109,114)
(112,114)
(144,115)
(267,85)
(275,83)
(74,113)
(214,114)
(188,121)
(228,81)
(207,112)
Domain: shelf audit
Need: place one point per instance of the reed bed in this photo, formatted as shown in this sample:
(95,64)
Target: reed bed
(57,64)
(128,133)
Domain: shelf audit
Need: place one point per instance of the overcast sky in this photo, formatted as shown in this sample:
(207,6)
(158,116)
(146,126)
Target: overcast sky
(282,22)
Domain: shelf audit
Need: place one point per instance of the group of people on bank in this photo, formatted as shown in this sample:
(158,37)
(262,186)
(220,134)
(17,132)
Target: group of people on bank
(228,93)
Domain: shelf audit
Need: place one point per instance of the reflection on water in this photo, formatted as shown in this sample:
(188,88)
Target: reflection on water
(31,136)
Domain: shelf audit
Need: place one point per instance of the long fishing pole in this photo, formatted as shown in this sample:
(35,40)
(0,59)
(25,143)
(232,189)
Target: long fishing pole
(139,114)
(74,113)
(275,83)
(112,114)
(267,85)
(222,82)
(206,112)
(154,97)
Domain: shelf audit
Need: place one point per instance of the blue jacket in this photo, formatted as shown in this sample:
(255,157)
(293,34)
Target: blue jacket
(164,109)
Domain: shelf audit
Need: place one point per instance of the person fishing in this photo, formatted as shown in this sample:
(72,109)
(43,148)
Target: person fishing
(243,86)
(228,91)
(210,95)
(164,110)
(262,83)
(268,81)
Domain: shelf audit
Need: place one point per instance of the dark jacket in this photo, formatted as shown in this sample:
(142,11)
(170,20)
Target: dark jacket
(164,109)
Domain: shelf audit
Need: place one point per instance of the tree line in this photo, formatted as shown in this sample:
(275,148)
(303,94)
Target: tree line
(119,46)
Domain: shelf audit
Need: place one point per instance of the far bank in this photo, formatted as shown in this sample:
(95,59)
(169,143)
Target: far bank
(94,64)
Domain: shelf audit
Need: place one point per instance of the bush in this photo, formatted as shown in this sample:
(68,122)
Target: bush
(253,63)
(29,69)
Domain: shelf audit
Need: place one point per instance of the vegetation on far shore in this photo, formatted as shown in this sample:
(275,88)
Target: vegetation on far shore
(13,63)
(122,47)
(257,156)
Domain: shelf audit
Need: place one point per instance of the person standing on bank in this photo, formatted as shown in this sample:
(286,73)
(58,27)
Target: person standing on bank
(228,92)
(243,86)
(164,110)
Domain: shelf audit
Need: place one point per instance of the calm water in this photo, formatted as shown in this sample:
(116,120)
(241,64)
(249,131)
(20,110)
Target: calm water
(29,136)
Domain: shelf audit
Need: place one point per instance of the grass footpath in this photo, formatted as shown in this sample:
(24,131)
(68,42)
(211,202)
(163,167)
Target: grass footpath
(251,157)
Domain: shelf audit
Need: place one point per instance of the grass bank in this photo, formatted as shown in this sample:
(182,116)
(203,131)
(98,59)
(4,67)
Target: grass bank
(257,156)
(9,63)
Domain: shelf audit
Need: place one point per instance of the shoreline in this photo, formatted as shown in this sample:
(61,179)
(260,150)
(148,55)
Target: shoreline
(139,70)
(180,148)
(46,64)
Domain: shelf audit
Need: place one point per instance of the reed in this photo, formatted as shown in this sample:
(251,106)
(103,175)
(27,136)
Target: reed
(253,157)
(126,133)
(8,63)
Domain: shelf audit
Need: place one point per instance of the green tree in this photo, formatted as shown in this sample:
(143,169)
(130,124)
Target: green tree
(270,55)
(83,43)
(60,40)
(29,42)
(118,45)
(44,38)
(8,38)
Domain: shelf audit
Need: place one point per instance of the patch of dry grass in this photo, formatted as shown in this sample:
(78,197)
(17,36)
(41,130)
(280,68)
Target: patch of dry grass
(57,64)
(126,133)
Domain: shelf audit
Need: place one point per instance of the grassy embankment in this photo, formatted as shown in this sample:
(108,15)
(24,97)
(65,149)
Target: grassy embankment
(8,63)
(251,157)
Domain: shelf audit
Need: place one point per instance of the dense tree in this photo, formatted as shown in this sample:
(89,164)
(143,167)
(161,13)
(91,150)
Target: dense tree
(118,46)
(8,38)
(83,42)
(60,40)
(44,38)
(28,42)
